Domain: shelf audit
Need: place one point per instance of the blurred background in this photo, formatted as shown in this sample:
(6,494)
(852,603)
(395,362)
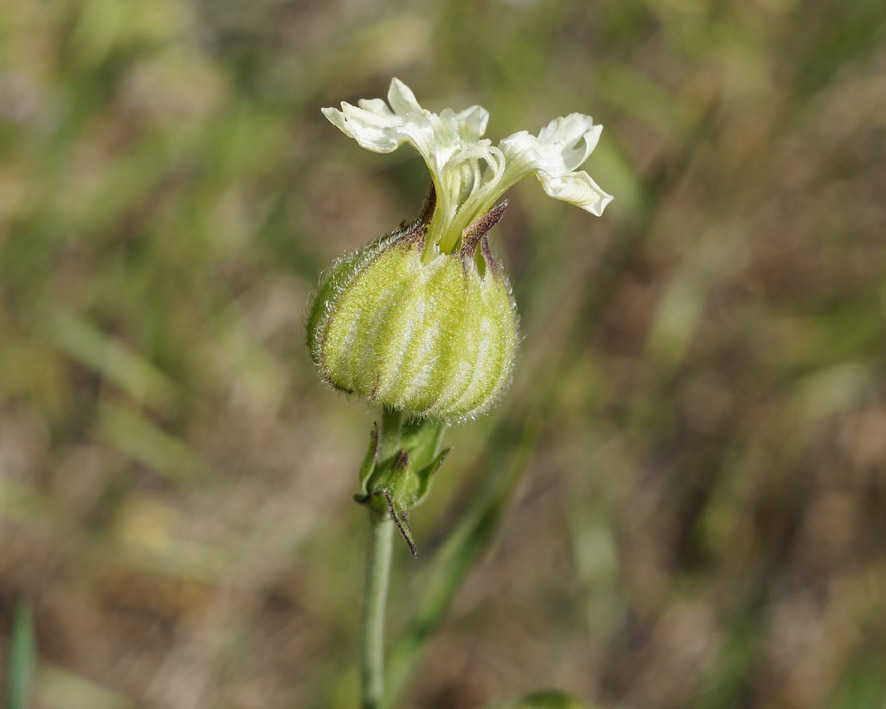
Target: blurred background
(682,499)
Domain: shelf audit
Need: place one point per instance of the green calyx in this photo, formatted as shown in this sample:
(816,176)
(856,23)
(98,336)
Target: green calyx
(410,328)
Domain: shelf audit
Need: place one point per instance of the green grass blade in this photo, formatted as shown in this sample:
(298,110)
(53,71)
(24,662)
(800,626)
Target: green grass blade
(21,658)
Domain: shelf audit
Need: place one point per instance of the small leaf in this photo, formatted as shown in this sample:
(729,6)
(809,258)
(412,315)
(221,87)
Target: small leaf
(397,471)
(401,519)
(369,461)
(426,474)
(421,437)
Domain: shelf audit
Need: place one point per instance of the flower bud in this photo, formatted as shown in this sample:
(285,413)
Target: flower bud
(429,333)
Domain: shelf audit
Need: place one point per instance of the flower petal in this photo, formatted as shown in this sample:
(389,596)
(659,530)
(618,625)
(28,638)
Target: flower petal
(576,188)
(371,129)
(473,123)
(402,99)
(572,138)
(468,172)
(561,146)
(375,105)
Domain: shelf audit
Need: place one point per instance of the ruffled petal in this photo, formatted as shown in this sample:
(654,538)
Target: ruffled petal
(371,129)
(553,155)
(560,147)
(570,140)
(577,188)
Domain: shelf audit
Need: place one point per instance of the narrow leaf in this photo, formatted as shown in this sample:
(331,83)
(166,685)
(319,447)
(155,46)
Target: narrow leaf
(371,456)
(21,657)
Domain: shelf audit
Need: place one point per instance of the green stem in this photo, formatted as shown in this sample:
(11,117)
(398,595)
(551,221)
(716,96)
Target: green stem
(378,569)
(378,572)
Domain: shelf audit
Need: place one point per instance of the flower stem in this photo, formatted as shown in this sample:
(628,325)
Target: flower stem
(378,572)
(378,568)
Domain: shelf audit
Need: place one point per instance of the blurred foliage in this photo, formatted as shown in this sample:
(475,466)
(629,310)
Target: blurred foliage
(20,671)
(547,699)
(703,372)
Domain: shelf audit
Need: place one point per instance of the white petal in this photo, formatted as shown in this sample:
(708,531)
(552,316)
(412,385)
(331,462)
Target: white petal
(521,146)
(561,146)
(447,126)
(573,137)
(473,122)
(571,140)
(419,130)
(375,105)
(370,128)
(402,99)
(576,188)
(468,172)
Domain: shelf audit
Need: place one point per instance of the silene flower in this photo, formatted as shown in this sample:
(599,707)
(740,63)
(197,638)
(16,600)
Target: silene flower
(423,319)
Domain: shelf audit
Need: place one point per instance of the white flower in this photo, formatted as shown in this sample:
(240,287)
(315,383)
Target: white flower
(468,172)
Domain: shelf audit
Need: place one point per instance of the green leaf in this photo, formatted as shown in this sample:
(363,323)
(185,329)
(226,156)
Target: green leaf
(425,475)
(371,456)
(422,437)
(398,467)
(400,462)
(21,657)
